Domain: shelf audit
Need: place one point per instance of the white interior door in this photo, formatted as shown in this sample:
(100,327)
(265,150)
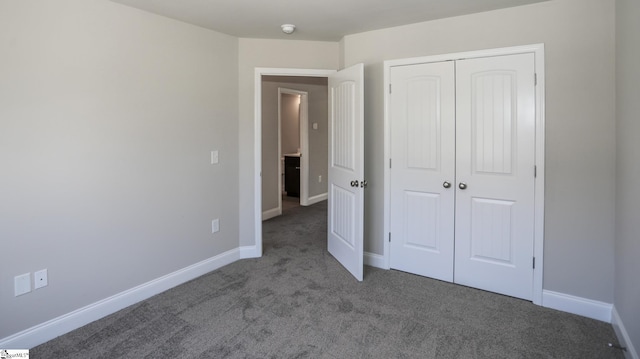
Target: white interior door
(422,109)
(346,168)
(495,157)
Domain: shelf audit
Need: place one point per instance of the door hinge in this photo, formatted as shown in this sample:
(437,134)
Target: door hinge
(389,88)
(535,171)
(389,162)
(535,79)
(389,236)
(534,262)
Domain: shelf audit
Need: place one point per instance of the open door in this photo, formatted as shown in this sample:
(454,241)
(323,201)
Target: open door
(346,168)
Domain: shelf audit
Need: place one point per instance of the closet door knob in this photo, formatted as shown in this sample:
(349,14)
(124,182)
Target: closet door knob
(446,184)
(462,185)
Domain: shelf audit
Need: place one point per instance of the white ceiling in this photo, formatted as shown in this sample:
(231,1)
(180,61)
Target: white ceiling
(326,20)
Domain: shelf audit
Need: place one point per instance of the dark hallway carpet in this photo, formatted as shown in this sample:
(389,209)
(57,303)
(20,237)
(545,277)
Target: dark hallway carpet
(298,302)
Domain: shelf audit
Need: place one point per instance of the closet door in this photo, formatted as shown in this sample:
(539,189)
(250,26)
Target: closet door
(495,143)
(422,108)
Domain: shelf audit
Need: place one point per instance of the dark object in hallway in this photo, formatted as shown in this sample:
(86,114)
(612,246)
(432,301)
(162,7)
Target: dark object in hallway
(292,176)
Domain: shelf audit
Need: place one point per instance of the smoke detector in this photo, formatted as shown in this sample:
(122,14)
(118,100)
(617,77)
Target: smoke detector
(288,28)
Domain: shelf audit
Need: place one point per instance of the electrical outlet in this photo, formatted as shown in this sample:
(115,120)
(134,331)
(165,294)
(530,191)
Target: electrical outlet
(319,178)
(41,279)
(215,225)
(22,284)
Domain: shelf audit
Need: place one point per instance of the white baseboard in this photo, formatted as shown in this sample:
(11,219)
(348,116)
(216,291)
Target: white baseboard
(53,328)
(318,198)
(374,260)
(576,305)
(270,213)
(250,252)
(623,335)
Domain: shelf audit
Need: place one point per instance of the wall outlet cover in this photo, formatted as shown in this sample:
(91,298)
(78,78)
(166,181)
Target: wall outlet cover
(40,279)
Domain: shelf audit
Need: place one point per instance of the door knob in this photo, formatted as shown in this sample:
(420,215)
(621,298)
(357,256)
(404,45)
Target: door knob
(446,184)
(462,185)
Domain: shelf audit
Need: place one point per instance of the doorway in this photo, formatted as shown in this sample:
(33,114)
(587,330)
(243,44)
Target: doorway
(345,148)
(293,113)
(294,136)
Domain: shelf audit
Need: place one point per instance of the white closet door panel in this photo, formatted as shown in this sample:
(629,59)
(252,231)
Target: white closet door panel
(422,228)
(493,104)
(495,158)
(422,152)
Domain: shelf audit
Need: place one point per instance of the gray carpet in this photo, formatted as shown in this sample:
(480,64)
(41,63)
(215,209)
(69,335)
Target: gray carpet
(289,202)
(298,302)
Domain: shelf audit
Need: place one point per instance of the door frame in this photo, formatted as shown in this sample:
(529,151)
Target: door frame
(303,134)
(538,51)
(257,138)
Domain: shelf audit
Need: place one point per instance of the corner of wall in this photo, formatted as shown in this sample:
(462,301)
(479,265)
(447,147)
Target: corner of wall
(623,336)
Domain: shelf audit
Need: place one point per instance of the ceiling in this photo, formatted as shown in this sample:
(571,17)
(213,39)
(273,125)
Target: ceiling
(321,20)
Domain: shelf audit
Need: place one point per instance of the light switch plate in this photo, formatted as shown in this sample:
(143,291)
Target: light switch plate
(215,225)
(22,284)
(214,157)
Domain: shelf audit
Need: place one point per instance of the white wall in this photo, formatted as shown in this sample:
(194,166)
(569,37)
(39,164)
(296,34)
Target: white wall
(268,53)
(580,125)
(627,285)
(108,116)
(290,129)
